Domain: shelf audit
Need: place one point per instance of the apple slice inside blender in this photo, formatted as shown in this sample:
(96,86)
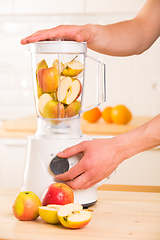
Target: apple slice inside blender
(42,101)
(73,68)
(68,90)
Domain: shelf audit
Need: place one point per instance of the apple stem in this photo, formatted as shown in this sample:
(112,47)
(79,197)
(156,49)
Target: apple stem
(74,58)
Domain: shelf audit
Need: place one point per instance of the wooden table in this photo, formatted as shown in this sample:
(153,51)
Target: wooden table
(117,215)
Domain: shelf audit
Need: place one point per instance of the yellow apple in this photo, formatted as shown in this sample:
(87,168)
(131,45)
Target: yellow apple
(73,216)
(73,68)
(57,65)
(25,206)
(49,213)
(42,101)
(73,109)
(68,90)
(48,79)
(40,65)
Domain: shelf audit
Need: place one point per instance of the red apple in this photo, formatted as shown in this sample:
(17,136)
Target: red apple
(58,193)
(25,206)
(48,79)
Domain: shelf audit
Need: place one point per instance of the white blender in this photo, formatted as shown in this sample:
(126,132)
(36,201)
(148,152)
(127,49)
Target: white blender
(60,88)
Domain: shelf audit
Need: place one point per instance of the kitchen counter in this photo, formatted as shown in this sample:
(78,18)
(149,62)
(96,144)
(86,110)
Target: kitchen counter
(116,215)
(23,127)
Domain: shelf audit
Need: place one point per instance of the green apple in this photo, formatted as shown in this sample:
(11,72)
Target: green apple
(73,216)
(73,68)
(48,79)
(68,90)
(49,213)
(73,109)
(25,206)
(54,109)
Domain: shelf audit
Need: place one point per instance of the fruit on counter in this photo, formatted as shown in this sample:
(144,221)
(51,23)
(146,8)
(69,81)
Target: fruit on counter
(69,90)
(73,216)
(92,115)
(54,109)
(57,65)
(106,115)
(42,101)
(49,213)
(48,79)
(73,68)
(58,193)
(120,114)
(25,206)
(73,109)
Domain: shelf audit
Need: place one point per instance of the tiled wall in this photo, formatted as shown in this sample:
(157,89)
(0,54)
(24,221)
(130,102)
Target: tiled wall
(133,81)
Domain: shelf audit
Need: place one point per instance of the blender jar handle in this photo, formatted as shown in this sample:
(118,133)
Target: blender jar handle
(100,84)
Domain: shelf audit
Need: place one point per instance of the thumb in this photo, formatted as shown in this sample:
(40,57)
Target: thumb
(83,36)
(71,151)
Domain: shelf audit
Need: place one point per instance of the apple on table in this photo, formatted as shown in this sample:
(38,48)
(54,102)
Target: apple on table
(25,206)
(57,193)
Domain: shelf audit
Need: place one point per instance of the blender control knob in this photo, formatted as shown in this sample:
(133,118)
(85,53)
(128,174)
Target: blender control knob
(59,165)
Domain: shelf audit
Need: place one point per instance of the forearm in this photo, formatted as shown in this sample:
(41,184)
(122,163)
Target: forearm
(140,139)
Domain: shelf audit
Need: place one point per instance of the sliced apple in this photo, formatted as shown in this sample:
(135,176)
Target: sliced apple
(69,90)
(73,68)
(73,216)
(42,101)
(57,65)
(54,109)
(40,65)
(49,213)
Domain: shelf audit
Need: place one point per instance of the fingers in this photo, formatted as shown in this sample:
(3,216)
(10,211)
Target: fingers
(70,174)
(71,151)
(70,32)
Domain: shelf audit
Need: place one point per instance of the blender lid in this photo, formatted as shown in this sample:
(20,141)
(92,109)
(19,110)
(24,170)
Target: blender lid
(58,46)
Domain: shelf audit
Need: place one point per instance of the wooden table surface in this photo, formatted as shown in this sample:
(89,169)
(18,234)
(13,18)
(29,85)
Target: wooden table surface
(117,216)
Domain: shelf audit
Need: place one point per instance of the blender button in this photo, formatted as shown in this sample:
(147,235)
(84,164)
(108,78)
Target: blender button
(59,165)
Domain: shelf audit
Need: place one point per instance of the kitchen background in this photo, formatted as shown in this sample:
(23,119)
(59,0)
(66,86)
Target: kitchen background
(133,81)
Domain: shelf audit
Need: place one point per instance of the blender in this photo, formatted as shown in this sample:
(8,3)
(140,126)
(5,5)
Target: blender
(62,94)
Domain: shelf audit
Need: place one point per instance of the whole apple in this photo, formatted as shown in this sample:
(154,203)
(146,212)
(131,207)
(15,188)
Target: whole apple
(25,206)
(58,193)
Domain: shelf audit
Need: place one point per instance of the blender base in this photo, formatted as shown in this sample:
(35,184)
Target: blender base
(37,174)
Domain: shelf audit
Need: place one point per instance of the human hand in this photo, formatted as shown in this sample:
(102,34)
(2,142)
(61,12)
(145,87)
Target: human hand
(77,33)
(99,160)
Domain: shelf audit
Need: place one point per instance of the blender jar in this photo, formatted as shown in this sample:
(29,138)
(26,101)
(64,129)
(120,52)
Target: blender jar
(58,69)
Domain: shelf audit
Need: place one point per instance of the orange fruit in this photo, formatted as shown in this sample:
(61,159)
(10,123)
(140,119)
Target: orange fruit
(120,114)
(106,115)
(92,115)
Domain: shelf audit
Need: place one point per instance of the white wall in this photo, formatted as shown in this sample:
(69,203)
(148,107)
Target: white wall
(133,81)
